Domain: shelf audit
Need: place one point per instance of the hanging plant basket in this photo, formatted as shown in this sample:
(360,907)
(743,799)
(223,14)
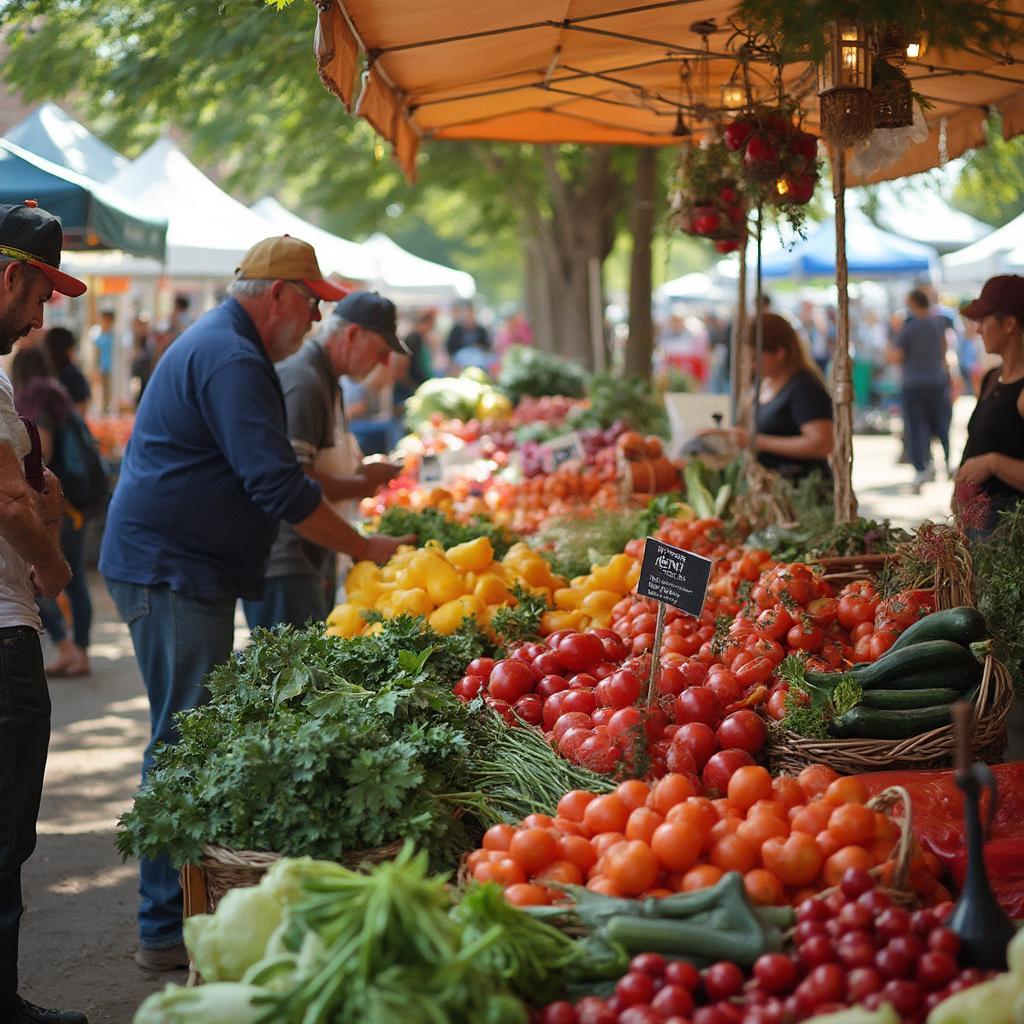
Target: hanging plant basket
(708,202)
(893,97)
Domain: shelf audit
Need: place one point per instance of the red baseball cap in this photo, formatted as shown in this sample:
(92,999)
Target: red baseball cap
(34,236)
(1003,294)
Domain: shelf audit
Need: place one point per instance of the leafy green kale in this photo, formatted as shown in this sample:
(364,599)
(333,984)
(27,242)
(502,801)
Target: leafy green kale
(526,370)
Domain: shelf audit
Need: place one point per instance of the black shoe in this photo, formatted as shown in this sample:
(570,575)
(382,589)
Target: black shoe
(27,1013)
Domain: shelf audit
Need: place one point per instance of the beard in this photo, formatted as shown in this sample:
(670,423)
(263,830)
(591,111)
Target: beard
(13,325)
(287,339)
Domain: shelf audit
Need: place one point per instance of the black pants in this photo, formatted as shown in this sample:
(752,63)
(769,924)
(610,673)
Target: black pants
(24,737)
(927,412)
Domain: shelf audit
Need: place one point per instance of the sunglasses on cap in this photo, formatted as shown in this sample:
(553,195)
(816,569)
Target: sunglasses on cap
(314,302)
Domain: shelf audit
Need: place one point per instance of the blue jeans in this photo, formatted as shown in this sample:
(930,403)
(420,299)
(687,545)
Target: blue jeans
(72,543)
(24,738)
(177,641)
(288,600)
(926,414)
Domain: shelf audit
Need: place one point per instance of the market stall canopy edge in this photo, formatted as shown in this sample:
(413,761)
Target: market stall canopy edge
(594,71)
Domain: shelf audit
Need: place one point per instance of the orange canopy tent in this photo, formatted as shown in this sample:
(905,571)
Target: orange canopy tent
(606,71)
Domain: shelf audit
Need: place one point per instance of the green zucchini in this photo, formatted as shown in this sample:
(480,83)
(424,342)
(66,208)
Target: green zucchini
(955,677)
(875,724)
(896,700)
(961,625)
(928,656)
(686,938)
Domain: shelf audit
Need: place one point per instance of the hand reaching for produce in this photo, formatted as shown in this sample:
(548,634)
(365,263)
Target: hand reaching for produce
(379,474)
(380,547)
(976,470)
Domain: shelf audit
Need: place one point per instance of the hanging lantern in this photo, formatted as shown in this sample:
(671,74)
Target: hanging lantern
(915,48)
(844,84)
(734,96)
(680,130)
(892,96)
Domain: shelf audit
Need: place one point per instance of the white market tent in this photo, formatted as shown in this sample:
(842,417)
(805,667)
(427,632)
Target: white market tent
(922,215)
(982,260)
(693,288)
(208,231)
(335,255)
(54,134)
(410,280)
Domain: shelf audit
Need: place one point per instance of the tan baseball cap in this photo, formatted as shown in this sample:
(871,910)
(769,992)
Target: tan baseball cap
(288,259)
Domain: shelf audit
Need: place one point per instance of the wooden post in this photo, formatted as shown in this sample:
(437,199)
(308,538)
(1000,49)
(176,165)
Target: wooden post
(739,363)
(758,337)
(842,373)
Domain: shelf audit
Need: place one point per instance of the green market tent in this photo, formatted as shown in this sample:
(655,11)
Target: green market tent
(92,215)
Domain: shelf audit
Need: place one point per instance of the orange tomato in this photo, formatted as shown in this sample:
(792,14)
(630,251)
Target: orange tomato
(670,790)
(605,886)
(573,803)
(787,791)
(732,853)
(881,850)
(840,861)
(633,793)
(659,892)
(815,779)
(813,818)
(497,837)
(749,784)
(533,849)
(694,818)
(642,823)
(578,851)
(763,888)
(852,824)
(761,827)
(847,790)
(676,846)
(885,827)
(476,857)
(525,894)
(604,841)
(607,813)
(828,843)
(770,807)
(566,827)
(504,872)
(562,871)
(701,877)
(632,867)
(726,827)
(537,821)
(795,860)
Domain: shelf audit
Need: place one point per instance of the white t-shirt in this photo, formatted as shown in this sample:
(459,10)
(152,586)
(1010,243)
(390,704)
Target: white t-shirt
(17,600)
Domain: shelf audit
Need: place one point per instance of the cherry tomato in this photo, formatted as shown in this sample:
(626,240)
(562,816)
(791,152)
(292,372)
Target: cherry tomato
(530,709)
(879,643)
(561,1012)
(720,767)
(822,611)
(579,700)
(510,680)
(599,754)
(698,704)
(777,705)
(619,690)
(854,609)
(634,988)
(805,636)
(549,685)
(774,622)
(723,980)
(480,667)
(775,973)
(648,963)
(753,672)
(743,730)
(468,687)
(579,652)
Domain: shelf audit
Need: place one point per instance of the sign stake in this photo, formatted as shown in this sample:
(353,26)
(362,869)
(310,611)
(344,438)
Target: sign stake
(659,632)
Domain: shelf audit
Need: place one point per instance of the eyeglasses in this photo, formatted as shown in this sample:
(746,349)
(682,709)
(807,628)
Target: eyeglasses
(314,302)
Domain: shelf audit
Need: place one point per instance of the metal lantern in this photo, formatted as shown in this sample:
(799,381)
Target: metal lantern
(734,95)
(844,84)
(915,48)
(892,96)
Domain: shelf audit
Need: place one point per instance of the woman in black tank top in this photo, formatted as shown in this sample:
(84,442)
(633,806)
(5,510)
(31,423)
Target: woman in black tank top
(993,457)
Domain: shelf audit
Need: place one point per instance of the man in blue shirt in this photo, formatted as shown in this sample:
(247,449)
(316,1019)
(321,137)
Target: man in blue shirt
(207,477)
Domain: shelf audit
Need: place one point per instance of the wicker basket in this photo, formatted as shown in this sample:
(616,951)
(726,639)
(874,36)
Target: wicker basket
(788,752)
(220,870)
(851,568)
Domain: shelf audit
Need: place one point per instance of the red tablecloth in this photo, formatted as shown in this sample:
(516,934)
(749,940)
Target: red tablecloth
(938,822)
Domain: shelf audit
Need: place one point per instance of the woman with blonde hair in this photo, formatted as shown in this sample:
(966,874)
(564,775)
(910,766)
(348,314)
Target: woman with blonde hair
(794,410)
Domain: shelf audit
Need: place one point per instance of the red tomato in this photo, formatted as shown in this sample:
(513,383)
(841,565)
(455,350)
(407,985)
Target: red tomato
(553,709)
(720,767)
(903,609)
(743,730)
(754,672)
(698,704)
(770,649)
(619,690)
(879,643)
(774,622)
(805,636)
(572,740)
(854,609)
(623,721)
(777,705)
(579,652)
(726,688)
(480,667)
(549,685)
(698,739)
(582,681)
(579,700)
(510,680)
(822,611)
(602,716)
(468,687)
(530,709)
(546,664)
(861,630)
(570,720)
(555,638)
(599,754)
(862,649)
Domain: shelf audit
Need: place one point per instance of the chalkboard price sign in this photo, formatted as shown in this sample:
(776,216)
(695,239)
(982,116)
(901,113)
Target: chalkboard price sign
(430,469)
(674,576)
(562,449)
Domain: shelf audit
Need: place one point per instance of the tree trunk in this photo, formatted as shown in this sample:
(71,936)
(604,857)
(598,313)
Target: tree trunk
(540,304)
(640,347)
(560,243)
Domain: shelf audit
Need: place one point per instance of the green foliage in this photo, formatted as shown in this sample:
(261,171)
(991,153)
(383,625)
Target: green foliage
(991,185)
(629,400)
(572,544)
(526,370)
(453,398)
(432,524)
(795,27)
(821,538)
(999,585)
(519,622)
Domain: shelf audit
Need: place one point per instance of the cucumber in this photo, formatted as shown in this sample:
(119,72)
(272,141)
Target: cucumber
(961,625)
(875,724)
(896,700)
(953,678)
(930,656)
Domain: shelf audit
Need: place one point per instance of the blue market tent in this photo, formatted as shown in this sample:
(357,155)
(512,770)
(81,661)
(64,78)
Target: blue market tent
(56,136)
(92,215)
(870,252)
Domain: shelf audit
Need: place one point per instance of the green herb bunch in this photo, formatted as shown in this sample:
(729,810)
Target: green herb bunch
(530,371)
(616,399)
(432,524)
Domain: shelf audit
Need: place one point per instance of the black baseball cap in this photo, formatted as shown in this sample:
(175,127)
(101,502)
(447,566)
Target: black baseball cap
(372,311)
(34,236)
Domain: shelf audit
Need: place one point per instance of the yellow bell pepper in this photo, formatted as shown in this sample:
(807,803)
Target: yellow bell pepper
(443,583)
(448,617)
(346,620)
(566,599)
(361,574)
(599,601)
(474,555)
(490,588)
(414,601)
(552,621)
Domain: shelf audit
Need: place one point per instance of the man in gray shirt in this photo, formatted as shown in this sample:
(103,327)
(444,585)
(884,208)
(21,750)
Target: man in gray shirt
(358,336)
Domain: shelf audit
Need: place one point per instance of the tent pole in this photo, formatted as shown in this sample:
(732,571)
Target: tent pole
(758,336)
(842,377)
(596,315)
(737,360)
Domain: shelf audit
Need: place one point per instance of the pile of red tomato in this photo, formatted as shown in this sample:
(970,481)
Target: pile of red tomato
(853,947)
(588,694)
